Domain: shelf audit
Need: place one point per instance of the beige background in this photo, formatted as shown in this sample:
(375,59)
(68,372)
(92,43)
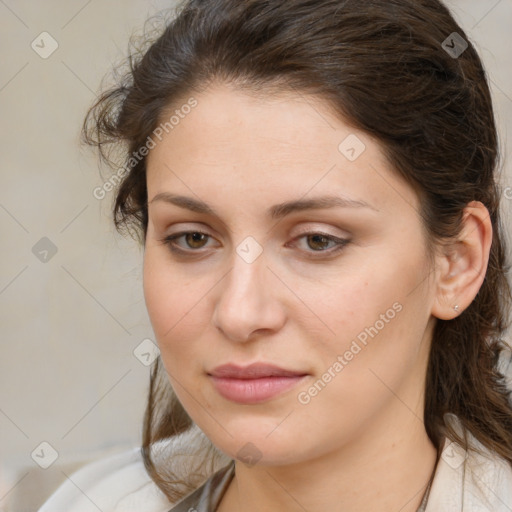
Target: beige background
(70,325)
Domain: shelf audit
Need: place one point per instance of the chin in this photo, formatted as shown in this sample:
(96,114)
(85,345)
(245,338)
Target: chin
(255,441)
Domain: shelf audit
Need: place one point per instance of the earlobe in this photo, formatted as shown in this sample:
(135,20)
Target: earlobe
(462,267)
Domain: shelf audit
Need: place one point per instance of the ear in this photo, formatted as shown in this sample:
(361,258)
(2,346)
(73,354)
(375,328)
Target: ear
(462,266)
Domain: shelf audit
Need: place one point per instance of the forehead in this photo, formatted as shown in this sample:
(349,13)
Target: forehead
(274,147)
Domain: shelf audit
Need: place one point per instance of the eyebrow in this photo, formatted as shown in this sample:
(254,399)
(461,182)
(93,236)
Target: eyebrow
(275,212)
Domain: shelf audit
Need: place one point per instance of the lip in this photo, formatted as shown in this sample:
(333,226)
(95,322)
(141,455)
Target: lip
(253,371)
(255,383)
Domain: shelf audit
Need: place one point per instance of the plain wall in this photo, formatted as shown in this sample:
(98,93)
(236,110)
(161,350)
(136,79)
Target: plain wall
(70,324)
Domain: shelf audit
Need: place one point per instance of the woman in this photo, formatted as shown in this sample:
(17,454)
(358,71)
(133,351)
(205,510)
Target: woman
(324,265)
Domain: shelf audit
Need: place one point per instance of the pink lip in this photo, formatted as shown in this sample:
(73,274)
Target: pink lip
(255,383)
(253,371)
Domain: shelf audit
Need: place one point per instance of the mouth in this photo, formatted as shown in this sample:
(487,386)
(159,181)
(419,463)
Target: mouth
(255,383)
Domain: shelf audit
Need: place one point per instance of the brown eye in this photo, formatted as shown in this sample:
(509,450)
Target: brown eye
(318,242)
(195,239)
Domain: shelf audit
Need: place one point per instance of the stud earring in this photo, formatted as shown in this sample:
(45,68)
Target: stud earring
(456,307)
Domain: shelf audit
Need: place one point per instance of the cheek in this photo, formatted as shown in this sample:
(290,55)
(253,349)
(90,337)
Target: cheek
(374,350)
(180,310)
(159,294)
(171,302)
(376,314)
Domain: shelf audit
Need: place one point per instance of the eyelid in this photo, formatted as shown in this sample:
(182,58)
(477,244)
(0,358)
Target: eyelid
(311,228)
(308,230)
(167,239)
(340,243)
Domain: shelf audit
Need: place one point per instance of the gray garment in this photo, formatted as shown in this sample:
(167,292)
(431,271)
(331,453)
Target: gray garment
(207,497)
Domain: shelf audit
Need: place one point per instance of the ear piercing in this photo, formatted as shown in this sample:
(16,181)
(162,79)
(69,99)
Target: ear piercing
(456,307)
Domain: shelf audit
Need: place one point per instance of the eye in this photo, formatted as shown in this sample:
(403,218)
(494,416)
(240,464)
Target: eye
(193,239)
(197,240)
(319,243)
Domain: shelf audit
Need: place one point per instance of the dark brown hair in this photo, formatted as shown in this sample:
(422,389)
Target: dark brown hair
(384,67)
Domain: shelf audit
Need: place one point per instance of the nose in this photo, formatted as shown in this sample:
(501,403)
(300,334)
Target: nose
(248,303)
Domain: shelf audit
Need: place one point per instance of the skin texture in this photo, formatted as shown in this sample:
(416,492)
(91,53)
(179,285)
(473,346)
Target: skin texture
(359,443)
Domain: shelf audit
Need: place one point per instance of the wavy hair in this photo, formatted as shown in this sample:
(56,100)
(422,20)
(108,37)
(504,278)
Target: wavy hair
(391,68)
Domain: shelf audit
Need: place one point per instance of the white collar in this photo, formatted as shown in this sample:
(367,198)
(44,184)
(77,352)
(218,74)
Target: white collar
(470,481)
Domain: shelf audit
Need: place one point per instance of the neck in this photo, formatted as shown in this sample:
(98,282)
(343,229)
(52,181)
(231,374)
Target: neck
(386,469)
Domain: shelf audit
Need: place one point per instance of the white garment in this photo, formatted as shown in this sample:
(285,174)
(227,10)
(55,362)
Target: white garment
(470,482)
(112,484)
(464,481)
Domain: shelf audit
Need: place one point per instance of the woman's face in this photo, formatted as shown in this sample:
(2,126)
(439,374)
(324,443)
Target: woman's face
(340,295)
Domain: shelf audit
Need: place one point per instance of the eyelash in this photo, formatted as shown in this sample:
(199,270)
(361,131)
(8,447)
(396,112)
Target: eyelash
(169,241)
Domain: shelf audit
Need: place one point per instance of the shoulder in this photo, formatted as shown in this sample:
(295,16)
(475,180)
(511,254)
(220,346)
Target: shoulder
(120,482)
(112,484)
(479,480)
